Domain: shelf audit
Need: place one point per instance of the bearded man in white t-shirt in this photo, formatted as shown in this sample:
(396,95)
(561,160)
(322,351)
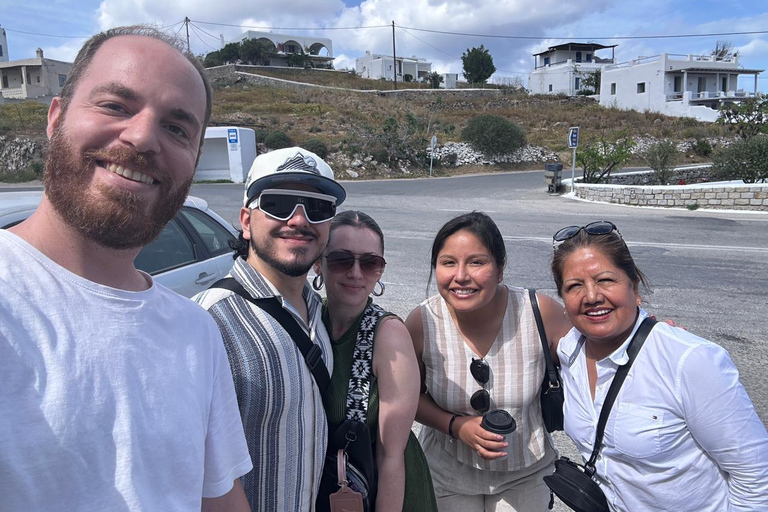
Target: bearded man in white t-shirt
(115,393)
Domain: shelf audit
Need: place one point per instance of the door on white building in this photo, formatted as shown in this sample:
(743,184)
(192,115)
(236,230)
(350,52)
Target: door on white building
(701,85)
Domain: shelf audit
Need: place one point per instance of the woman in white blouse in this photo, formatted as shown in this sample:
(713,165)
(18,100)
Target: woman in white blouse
(682,435)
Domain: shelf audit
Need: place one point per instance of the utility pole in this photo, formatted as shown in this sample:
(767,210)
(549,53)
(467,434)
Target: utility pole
(394,54)
(186,23)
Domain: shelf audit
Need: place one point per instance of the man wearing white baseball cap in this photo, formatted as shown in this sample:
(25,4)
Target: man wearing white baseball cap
(290,195)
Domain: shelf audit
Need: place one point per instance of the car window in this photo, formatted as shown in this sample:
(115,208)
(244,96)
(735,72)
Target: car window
(171,249)
(215,237)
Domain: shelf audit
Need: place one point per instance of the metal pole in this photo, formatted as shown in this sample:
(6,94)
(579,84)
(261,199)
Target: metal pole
(573,171)
(186,23)
(430,165)
(394,55)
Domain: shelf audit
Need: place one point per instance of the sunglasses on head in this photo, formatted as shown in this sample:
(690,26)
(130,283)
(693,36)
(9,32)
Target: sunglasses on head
(481,399)
(601,227)
(281,204)
(340,262)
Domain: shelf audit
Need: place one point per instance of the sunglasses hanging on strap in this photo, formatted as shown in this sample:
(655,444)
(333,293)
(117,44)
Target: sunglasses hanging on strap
(572,482)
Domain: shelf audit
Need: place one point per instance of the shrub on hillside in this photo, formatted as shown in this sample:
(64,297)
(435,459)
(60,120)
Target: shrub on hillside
(260,135)
(745,160)
(316,146)
(278,140)
(661,157)
(702,147)
(493,135)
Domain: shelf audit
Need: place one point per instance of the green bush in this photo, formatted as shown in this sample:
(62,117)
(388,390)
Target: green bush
(702,147)
(661,157)
(745,160)
(261,135)
(407,77)
(494,135)
(381,155)
(316,146)
(278,140)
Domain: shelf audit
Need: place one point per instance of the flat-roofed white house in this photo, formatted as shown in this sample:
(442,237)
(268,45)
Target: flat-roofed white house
(375,66)
(561,69)
(676,85)
(319,50)
(38,79)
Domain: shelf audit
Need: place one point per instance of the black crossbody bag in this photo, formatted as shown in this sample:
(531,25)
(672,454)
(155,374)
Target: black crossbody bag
(573,483)
(552,396)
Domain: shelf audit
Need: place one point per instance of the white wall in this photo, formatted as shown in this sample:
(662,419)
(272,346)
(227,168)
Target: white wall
(222,158)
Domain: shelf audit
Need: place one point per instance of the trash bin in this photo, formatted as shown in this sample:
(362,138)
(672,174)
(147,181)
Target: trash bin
(553,176)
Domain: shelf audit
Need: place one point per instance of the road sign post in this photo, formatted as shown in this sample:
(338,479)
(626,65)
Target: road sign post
(433,145)
(573,142)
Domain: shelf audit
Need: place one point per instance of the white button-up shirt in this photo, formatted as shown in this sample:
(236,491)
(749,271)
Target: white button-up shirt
(682,435)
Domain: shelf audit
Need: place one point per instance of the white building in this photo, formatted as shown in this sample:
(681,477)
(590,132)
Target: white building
(37,79)
(675,85)
(561,69)
(449,80)
(319,50)
(228,153)
(376,66)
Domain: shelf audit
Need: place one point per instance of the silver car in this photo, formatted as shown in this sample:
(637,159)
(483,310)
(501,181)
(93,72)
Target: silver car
(191,253)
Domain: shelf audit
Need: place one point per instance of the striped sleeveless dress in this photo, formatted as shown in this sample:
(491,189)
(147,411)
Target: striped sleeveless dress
(516,366)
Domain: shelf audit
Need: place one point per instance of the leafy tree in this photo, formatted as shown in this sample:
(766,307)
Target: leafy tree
(746,160)
(591,80)
(493,135)
(747,118)
(478,65)
(661,157)
(255,51)
(600,158)
(230,53)
(435,79)
(298,60)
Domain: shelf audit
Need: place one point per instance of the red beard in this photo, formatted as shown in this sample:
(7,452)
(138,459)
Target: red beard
(113,218)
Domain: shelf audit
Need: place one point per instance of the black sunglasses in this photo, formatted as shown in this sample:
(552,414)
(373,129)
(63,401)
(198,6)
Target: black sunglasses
(481,399)
(281,204)
(340,262)
(601,227)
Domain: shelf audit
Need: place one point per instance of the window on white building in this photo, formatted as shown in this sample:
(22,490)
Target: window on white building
(724,84)
(5,82)
(578,56)
(1,50)
(62,79)
(613,88)
(550,87)
(641,88)
(678,86)
(576,83)
(589,57)
(546,61)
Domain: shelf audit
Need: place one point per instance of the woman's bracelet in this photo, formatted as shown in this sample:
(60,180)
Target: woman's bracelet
(450,426)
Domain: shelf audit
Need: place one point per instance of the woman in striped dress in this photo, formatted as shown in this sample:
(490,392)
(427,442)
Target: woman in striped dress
(478,350)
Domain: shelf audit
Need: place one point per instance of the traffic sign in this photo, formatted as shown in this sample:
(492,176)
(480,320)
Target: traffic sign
(434,142)
(232,135)
(573,137)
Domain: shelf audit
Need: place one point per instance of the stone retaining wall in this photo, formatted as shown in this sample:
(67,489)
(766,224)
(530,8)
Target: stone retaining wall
(714,195)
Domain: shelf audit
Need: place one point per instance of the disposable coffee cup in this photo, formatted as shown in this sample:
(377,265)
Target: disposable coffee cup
(499,422)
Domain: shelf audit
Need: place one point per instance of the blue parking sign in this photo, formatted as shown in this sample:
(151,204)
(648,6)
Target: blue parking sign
(232,136)
(573,137)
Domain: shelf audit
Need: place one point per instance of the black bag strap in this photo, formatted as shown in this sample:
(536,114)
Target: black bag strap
(632,350)
(311,351)
(360,378)
(554,382)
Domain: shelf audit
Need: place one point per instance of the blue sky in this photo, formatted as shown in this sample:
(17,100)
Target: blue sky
(57,26)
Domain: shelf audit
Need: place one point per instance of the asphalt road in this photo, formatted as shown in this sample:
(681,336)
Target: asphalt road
(707,269)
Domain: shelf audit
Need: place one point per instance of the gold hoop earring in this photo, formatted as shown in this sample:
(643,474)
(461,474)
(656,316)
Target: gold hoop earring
(317,282)
(381,292)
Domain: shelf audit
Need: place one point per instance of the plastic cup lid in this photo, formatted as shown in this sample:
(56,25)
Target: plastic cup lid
(499,422)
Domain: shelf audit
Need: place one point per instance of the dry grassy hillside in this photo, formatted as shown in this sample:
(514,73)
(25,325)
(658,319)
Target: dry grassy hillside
(342,118)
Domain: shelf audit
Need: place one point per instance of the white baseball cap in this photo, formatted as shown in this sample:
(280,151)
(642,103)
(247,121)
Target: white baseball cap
(291,166)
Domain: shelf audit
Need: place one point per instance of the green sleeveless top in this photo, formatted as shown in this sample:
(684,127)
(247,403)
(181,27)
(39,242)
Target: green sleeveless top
(419,493)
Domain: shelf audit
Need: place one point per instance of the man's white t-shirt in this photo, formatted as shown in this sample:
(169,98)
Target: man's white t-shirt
(109,400)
